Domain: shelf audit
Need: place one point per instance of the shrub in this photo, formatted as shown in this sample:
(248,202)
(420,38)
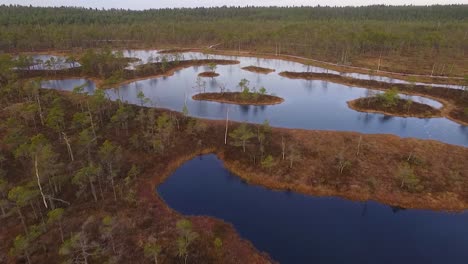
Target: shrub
(389,97)
(409,181)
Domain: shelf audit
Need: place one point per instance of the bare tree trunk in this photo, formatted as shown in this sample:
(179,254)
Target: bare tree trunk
(380,59)
(91,119)
(100,187)
(227,122)
(113,244)
(51,202)
(283,146)
(28,258)
(359,146)
(39,182)
(41,115)
(23,222)
(93,191)
(61,230)
(2,209)
(70,152)
(112,182)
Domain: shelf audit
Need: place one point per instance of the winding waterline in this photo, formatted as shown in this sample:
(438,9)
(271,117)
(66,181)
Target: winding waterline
(296,228)
(309,104)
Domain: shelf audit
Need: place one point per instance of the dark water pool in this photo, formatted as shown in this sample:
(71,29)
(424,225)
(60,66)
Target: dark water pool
(295,228)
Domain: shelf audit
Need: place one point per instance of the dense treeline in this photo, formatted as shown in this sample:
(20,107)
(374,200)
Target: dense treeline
(62,15)
(432,38)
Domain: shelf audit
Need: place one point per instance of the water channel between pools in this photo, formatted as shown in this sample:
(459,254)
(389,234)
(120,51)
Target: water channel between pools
(308,104)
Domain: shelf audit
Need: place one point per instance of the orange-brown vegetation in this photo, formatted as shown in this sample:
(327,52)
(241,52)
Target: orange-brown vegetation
(239,98)
(258,69)
(402,107)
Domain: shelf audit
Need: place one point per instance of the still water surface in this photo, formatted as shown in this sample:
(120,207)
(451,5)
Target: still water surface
(295,228)
(308,104)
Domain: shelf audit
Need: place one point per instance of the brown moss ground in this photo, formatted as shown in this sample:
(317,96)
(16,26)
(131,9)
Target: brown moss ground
(239,98)
(258,69)
(176,50)
(400,108)
(459,114)
(208,74)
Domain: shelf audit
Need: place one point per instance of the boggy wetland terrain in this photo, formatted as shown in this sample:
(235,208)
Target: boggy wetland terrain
(139,147)
(246,150)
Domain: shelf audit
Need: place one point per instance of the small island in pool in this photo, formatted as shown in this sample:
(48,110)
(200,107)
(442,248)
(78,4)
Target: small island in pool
(390,103)
(208,74)
(248,96)
(239,98)
(258,69)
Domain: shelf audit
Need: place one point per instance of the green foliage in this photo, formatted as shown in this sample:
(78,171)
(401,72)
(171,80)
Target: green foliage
(185,110)
(15,135)
(122,116)
(21,195)
(186,237)
(246,93)
(21,246)
(165,129)
(268,162)
(241,135)
(110,153)
(195,127)
(55,215)
(408,179)
(200,85)
(6,64)
(164,63)
(31,148)
(372,183)
(134,172)
(115,78)
(81,120)
(212,66)
(85,179)
(357,30)
(56,116)
(389,98)
(143,99)
(294,155)
(218,243)
(103,63)
(152,250)
(244,85)
(262,90)
(107,224)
